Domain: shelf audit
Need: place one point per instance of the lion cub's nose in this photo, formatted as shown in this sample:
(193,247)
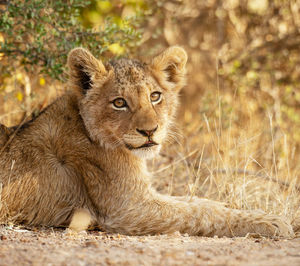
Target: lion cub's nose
(147,133)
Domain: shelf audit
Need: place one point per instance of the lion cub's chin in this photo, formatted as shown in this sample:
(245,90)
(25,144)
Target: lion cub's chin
(146,153)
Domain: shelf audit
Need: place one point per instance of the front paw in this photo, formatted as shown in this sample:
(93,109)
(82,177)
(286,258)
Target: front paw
(272,226)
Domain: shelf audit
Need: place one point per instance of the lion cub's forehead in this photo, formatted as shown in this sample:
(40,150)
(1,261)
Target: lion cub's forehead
(132,79)
(128,72)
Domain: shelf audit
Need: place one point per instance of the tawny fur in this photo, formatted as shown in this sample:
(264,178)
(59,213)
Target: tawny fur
(81,157)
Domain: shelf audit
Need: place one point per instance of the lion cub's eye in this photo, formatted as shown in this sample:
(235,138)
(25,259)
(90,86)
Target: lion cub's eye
(155,97)
(119,103)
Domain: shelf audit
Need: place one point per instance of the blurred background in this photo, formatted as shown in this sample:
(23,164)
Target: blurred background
(238,134)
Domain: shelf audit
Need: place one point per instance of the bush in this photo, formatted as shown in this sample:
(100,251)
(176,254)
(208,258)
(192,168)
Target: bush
(39,34)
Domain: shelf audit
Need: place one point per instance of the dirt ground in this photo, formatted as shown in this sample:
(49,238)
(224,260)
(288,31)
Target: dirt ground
(19,246)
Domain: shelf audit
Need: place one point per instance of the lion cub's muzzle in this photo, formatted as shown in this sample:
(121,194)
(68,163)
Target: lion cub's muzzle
(149,142)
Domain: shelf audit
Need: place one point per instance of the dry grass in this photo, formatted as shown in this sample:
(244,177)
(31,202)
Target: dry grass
(235,169)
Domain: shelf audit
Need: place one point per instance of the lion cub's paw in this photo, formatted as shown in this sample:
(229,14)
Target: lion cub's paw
(80,222)
(273,226)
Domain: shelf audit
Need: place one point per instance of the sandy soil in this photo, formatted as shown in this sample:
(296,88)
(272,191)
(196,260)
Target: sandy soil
(19,246)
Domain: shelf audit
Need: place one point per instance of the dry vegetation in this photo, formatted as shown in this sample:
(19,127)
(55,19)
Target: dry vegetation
(238,136)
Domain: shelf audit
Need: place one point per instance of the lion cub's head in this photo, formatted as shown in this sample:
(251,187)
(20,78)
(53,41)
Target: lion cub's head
(128,103)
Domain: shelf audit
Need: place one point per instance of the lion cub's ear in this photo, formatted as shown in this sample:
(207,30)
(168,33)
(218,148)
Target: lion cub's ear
(85,70)
(169,68)
(4,135)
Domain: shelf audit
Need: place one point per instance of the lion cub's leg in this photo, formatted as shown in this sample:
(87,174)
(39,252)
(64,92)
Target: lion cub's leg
(162,214)
(80,221)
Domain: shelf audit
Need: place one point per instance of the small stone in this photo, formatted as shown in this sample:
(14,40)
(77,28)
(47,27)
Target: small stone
(190,253)
(91,243)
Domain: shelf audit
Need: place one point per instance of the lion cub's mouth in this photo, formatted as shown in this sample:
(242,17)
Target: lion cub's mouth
(147,144)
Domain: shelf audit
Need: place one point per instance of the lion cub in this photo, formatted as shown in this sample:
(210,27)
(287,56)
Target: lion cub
(84,157)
